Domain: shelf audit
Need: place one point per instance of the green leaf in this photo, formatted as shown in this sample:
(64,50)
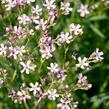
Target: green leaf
(100,17)
(97,31)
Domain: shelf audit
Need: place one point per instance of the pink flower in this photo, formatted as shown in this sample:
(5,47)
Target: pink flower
(19,32)
(13,52)
(83,10)
(35,88)
(76,29)
(52,94)
(23,19)
(65,7)
(82,80)
(27,67)
(64,104)
(97,55)
(23,96)
(83,63)
(50,4)
(36,10)
(3,50)
(41,24)
(64,37)
(53,67)
(9,4)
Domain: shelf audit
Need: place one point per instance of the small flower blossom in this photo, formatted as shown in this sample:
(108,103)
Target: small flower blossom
(41,24)
(36,10)
(74,55)
(12,94)
(65,7)
(34,19)
(23,96)
(40,94)
(31,32)
(53,67)
(9,4)
(50,4)
(97,55)
(64,37)
(46,46)
(83,10)
(21,50)
(13,52)
(64,104)
(27,67)
(52,94)
(52,15)
(19,32)
(83,81)
(46,53)
(76,29)
(23,19)
(34,88)
(3,49)
(83,63)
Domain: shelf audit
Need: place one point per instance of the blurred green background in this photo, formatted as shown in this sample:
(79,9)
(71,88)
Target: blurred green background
(96,35)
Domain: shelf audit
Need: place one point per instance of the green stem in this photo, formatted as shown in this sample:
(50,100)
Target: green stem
(36,104)
(42,61)
(14,75)
(26,106)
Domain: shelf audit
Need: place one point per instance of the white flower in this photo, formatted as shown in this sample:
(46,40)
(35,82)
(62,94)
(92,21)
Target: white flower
(36,10)
(97,55)
(3,49)
(19,32)
(65,7)
(27,67)
(34,19)
(23,19)
(46,46)
(31,32)
(9,4)
(83,10)
(13,52)
(83,63)
(46,53)
(64,104)
(53,67)
(40,24)
(34,88)
(64,37)
(21,50)
(50,4)
(52,94)
(83,81)
(23,95)
(76,29)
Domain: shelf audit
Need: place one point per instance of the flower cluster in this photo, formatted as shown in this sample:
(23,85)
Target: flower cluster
(30,46)
(9,4)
